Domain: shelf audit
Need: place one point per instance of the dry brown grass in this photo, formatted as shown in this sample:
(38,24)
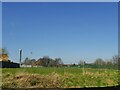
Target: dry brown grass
(33,81)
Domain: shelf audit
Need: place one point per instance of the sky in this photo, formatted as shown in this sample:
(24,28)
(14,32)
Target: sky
(71,31)
(0,24)
(60,0)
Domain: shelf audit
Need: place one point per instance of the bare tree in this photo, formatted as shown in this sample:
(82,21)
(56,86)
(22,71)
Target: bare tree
(3,51)
(58,61)
(99,61)
(115,59)
(27,61)
(81,62)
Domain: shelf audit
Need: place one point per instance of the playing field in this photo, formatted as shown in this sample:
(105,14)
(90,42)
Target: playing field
(49,77)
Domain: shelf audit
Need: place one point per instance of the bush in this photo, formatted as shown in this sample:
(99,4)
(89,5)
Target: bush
(33,82)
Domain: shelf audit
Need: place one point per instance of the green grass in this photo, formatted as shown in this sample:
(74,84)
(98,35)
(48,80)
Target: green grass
(59,77)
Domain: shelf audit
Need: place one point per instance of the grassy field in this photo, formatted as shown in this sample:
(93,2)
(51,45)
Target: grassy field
(58,77)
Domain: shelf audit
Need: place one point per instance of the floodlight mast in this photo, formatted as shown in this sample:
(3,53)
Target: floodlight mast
(20,50)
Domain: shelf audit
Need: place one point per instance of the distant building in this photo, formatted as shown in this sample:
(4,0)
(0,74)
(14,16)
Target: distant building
(6,63)
(26,65)
(23,65)
(67,65)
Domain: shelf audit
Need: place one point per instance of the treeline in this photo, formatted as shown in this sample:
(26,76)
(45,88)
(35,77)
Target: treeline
(113,63)
(46,61)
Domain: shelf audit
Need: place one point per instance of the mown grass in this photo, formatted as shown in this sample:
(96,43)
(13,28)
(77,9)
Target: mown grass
(44,77)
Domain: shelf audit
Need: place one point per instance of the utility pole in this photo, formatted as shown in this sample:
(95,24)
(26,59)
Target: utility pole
(83,67)
(20,56)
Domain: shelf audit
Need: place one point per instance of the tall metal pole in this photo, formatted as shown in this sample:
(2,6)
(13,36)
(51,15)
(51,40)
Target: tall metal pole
(83,67)
(20,56)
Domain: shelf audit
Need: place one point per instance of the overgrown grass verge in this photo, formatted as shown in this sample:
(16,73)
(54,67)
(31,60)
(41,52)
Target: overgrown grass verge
(58,78)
